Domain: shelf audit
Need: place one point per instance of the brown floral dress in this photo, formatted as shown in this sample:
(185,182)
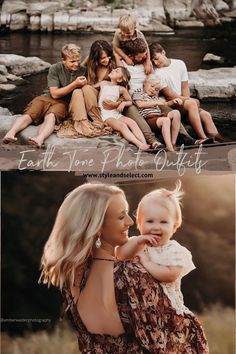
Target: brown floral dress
(151,324)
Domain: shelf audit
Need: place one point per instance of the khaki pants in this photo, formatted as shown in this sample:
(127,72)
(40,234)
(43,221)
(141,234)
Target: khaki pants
(84,103)
(132,112)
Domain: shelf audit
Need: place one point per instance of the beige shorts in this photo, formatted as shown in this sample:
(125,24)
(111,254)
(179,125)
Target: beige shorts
(43,105)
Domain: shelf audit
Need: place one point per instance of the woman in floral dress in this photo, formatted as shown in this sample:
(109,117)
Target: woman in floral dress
(115,307)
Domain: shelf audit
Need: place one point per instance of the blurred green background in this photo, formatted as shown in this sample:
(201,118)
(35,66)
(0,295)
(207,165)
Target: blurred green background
(30,201)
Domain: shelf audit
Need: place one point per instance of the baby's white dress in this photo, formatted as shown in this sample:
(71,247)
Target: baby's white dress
(109,92)
(173,254)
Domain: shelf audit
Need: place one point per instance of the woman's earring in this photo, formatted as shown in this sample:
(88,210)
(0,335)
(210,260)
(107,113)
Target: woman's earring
(98,241)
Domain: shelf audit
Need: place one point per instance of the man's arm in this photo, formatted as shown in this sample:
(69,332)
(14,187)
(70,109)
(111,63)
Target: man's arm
(122,54)
(148,64)
(185,89)
(169,94)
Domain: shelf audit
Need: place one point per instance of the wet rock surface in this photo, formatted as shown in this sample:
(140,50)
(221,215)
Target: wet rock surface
(13,67)
(218,83)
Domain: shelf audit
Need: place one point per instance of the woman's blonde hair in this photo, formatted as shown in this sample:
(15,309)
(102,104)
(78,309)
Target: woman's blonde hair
(167,198)
(74,233)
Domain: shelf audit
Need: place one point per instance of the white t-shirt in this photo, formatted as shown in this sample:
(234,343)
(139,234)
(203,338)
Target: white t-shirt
(173,254)
(173,75)
(138,76)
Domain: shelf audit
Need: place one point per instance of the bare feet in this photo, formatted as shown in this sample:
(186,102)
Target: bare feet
(9,138)
(35,141)
(204,141)
(156,144)
(170,148)
(143,146)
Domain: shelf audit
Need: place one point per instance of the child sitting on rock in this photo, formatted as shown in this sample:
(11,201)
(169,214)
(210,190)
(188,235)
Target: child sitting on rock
(156,111)
(175,75)
(116,90)
(51,108)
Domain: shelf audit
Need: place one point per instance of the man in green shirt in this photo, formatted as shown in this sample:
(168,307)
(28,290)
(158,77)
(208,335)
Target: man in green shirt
(51,108)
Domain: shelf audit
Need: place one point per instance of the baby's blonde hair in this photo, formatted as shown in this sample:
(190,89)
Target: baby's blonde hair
(126,22)
(166,198)
(74,233)
(69,51)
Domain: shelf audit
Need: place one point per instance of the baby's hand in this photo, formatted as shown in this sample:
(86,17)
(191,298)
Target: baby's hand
(81,81)
(129,61)
(148,240)
(109,104)
(178,101)
(121,107)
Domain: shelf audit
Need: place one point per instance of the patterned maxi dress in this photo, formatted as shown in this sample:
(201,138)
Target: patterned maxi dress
(151,324)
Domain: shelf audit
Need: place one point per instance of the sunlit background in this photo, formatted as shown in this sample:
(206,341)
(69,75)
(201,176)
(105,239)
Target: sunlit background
(30,201)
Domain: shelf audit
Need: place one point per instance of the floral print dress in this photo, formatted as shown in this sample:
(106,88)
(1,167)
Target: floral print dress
(151,324)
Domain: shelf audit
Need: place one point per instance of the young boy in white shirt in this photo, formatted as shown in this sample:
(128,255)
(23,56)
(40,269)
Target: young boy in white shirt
(174,73)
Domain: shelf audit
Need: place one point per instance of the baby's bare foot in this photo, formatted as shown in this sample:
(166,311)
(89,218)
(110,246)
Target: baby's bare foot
(9,138)
(35,141)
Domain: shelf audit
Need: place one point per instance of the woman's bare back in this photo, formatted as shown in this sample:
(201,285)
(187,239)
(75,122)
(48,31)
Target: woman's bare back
(96,303)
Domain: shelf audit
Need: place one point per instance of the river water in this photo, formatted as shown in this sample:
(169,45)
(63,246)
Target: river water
(189,45)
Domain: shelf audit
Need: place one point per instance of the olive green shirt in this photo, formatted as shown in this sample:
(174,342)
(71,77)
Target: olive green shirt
(59,76)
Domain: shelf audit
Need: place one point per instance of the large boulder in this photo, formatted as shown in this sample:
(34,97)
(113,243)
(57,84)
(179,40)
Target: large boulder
(21,66)
(19,21)
(211,84)
(48,7)
(189,24)
(47,22)
(5,88)
(61,21)
(5,76)
(155,8)
(34,23)
(177,9)
(213,59)
(220,5)
(13,6)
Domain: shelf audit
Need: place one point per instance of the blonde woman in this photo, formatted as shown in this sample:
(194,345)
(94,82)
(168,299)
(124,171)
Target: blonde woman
(115,307)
